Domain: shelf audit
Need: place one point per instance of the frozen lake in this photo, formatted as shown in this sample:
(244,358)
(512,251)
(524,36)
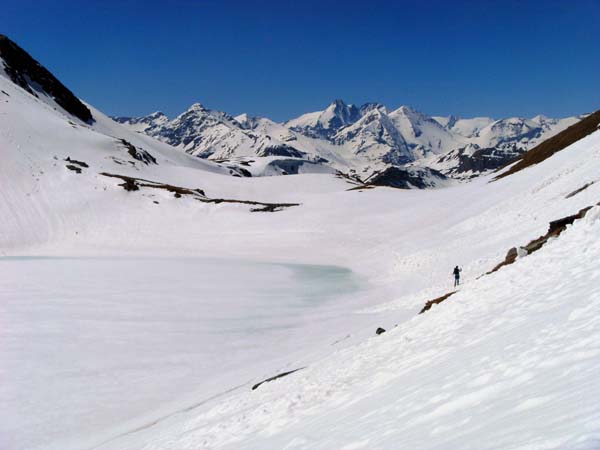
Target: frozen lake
(93,347)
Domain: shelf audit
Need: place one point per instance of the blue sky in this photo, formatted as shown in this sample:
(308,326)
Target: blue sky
(283,58)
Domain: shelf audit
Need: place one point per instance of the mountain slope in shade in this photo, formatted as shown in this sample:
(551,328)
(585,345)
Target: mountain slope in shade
(30,75)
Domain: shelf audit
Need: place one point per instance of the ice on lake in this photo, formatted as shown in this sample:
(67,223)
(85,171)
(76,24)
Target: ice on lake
(100,345)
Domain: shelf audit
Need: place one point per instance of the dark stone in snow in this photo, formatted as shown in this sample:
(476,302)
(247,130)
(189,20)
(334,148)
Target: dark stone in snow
(379,331)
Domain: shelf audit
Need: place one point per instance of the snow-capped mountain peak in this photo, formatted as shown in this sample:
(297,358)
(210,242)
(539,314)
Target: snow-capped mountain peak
(324,124)
(366,138)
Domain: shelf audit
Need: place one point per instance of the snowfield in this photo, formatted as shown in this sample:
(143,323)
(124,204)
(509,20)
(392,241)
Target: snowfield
(141,320)
(510,362)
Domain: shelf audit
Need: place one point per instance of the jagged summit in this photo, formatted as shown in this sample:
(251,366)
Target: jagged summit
(197,107)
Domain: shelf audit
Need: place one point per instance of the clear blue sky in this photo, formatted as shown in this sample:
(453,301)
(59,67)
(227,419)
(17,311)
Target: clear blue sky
(283,58)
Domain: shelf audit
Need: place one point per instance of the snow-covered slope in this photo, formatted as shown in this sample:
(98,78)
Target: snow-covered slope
(131,343)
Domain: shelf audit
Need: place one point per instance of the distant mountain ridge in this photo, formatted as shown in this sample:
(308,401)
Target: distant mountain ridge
(353,139)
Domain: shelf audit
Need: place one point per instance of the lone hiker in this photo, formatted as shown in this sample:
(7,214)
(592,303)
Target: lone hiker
(456,273)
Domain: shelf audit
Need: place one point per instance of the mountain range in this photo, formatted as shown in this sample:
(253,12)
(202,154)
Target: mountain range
(356,140)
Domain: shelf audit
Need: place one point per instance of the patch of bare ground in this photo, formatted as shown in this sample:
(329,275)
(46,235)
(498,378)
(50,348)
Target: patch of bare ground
(134,184)
(555,144)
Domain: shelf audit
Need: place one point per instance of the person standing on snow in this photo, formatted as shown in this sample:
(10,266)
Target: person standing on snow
(456,273)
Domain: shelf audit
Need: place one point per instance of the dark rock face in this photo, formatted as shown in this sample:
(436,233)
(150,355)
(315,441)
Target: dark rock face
(487,159)
(404,178)
(29,74)
(481,160)
(379,331)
